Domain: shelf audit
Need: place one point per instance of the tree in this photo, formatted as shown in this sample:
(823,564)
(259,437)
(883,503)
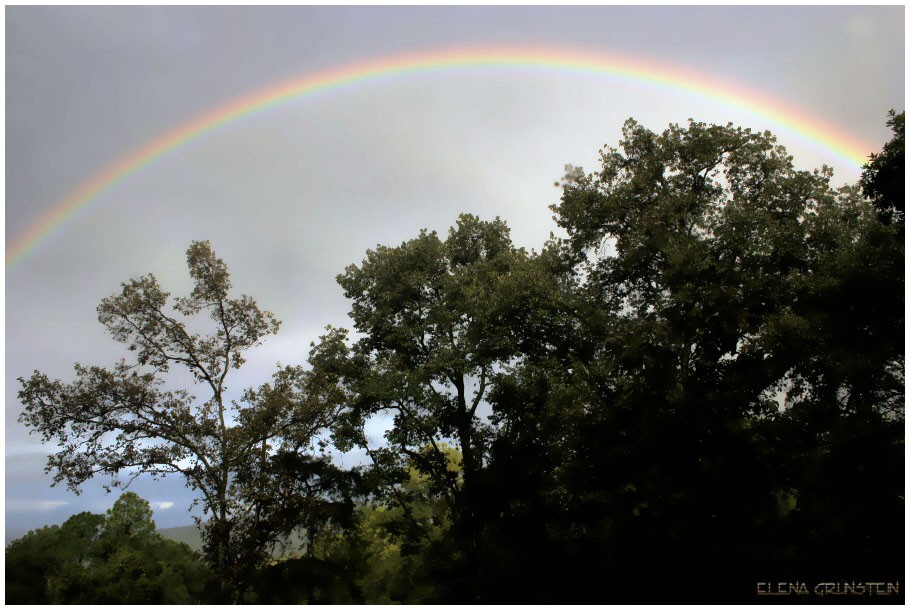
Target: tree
(130,562)
(397,551)
(115,558)
(438,322)
(883,176)
(129,519)
(739,317)
(125,422)
(39,556)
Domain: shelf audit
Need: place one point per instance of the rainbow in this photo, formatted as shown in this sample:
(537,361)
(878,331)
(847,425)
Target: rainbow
(547,59)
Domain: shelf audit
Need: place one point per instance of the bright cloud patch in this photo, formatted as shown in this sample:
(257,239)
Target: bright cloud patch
(47,505)
(163,505)
(23,505)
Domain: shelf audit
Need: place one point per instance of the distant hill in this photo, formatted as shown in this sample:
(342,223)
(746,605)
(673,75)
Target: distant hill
(187,533)
(190,535)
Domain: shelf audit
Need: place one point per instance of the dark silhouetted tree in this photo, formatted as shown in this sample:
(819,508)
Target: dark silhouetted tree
(883,176)
(743,343)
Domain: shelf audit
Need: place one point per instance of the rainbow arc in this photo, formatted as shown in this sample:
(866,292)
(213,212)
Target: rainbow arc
(564,60)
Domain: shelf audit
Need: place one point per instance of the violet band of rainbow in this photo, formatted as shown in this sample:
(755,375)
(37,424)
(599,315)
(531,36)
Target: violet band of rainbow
(546,59)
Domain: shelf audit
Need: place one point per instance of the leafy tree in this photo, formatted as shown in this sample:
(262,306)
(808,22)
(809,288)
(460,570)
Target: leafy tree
(27,568)
(129,519)
(116,558)
(439,321)
(129,562)
(296,495)
(883,176)
(398,551)
(46,552)
(124,421)
(740,316)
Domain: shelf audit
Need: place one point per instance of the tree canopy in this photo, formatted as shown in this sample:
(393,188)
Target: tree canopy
(749,329)
(884,176)
(698,387)
(117,558)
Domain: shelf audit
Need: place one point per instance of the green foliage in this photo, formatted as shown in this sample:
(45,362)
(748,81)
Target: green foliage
(669,395)
(440,321)
(42,554)
(117,558)
(883,177)
(399,550)
(129,519)
(395,552)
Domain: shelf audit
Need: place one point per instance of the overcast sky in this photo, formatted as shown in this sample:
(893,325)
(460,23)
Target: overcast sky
(291,196)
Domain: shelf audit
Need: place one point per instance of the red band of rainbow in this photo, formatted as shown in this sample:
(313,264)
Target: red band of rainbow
(579,61)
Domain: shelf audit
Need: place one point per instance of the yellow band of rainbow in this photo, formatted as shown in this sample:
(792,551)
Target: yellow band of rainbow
(558,59)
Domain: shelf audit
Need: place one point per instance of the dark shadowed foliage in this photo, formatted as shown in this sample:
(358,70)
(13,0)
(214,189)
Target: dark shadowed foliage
(117,558)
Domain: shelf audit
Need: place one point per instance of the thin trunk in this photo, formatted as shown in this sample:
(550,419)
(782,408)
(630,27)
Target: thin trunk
(464,421)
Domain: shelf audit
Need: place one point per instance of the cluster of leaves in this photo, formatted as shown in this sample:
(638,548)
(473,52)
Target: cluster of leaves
(394,552)
(667,404)
(117,558)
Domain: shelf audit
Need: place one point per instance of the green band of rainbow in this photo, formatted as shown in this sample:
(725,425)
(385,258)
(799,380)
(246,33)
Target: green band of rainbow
(584,62)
